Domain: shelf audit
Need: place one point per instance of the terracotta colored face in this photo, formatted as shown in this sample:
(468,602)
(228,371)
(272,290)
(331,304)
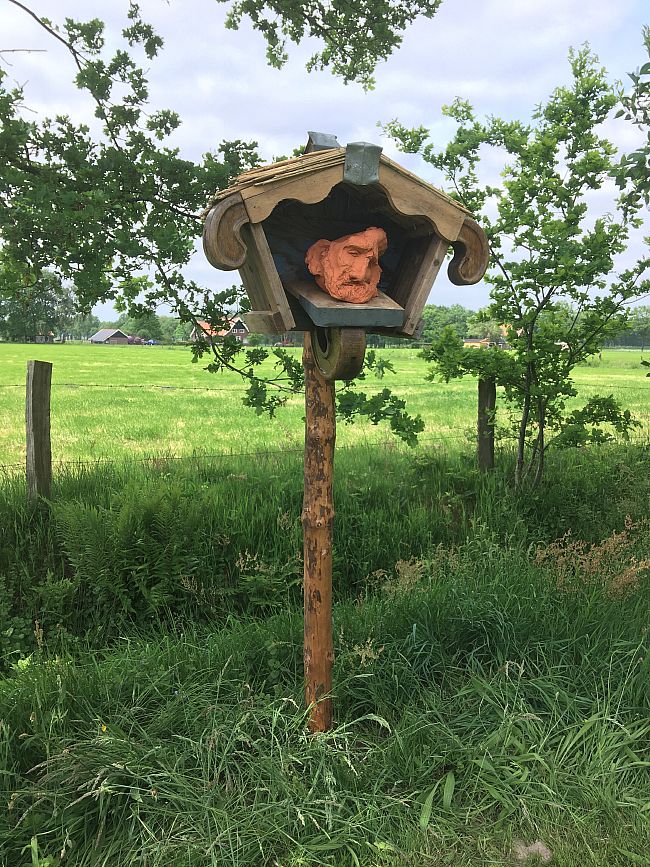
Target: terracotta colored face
(348,268)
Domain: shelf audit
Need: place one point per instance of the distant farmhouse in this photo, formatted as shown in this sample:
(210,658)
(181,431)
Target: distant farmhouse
(235,327)
(478,342)
(109,335)
(485,342)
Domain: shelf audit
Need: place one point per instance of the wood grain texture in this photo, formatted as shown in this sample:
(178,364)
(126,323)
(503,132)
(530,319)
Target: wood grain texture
(260,278)
(487,399)
(308,189)
(37,426)
(421,262)
(416,199)
(318,522)
(264,322)
(222,240)
(471,254)
(339,352)
(326,311)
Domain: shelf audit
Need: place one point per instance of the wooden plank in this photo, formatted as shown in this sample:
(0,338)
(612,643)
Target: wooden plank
(424,184)
(37,425)
(263,322)
(326,311)
(306,188)
(409,197)
(421,261)
(260,277)
(487,399)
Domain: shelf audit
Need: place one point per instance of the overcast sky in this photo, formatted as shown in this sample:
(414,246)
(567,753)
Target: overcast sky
(505,56)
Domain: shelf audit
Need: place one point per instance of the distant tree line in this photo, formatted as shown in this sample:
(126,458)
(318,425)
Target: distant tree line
(478,324)
(45,307)
(151,326)
(48,307)
(637,332)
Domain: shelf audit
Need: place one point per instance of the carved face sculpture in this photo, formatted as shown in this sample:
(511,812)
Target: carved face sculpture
(348,268)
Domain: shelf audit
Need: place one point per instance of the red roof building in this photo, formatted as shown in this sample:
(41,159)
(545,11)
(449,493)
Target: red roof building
(235,327)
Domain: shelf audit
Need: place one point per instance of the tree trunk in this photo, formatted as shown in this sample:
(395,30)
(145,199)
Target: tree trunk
(317,522)
(521,442)
(541,446)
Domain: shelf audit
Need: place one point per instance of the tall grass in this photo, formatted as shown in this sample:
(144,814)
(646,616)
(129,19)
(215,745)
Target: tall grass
(139,544)
(475,703)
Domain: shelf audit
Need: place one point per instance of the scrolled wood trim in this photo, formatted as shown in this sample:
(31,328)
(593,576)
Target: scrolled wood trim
(222,241)
(471,254)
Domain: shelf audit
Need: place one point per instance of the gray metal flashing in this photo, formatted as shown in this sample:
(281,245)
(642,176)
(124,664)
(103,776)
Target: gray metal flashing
(320,141)
(361,163)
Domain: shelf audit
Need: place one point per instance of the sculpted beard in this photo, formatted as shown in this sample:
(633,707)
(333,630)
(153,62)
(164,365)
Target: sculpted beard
(348,268)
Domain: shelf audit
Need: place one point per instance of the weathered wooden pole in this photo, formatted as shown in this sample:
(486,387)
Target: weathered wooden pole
(37,425)
(487,400)
(317,522)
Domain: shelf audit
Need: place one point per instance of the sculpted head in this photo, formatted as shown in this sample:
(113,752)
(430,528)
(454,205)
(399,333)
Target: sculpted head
(348,268)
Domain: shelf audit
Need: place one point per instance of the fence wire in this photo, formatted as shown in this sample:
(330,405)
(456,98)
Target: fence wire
(366,443)
(440,441)
(411,387)
(367,385)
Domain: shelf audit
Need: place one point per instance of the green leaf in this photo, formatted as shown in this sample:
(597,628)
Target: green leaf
(448,790)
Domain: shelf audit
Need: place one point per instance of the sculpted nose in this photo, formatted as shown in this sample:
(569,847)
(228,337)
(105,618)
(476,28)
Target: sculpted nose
(361,268)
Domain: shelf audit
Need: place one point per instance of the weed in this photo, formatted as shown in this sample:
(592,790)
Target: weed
(611,564)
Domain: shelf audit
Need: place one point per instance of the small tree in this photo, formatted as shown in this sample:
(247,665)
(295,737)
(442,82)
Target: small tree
(97,209)
(29,307)
(437,317)
(547,251)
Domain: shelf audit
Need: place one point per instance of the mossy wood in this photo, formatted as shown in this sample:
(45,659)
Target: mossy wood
(266,221)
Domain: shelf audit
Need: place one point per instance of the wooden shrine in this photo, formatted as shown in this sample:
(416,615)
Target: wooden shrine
(263,225)
(265,222)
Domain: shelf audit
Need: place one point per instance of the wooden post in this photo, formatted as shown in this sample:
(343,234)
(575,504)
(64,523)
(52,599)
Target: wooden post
(487,398)
(317,522)
(37,422)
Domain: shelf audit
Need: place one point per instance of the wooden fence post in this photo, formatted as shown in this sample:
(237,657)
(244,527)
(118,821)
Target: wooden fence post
(487,398)
(37,423)
(317,522)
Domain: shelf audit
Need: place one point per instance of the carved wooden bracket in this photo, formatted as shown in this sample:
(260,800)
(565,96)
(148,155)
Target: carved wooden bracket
(222,240)
(470,254)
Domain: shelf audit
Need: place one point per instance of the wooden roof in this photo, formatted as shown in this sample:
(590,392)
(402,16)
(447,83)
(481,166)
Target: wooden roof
(310,177)
(264,223)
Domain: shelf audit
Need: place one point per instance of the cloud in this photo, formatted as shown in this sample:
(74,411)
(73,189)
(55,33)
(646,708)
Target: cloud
(504,56)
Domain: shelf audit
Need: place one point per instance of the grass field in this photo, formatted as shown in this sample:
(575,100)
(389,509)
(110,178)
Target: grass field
(492,656)
(127,401)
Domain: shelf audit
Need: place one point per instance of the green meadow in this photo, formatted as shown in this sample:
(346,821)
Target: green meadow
(492,656)
(115,402)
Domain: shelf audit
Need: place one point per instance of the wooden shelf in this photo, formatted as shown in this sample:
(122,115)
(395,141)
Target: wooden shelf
(324,311)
